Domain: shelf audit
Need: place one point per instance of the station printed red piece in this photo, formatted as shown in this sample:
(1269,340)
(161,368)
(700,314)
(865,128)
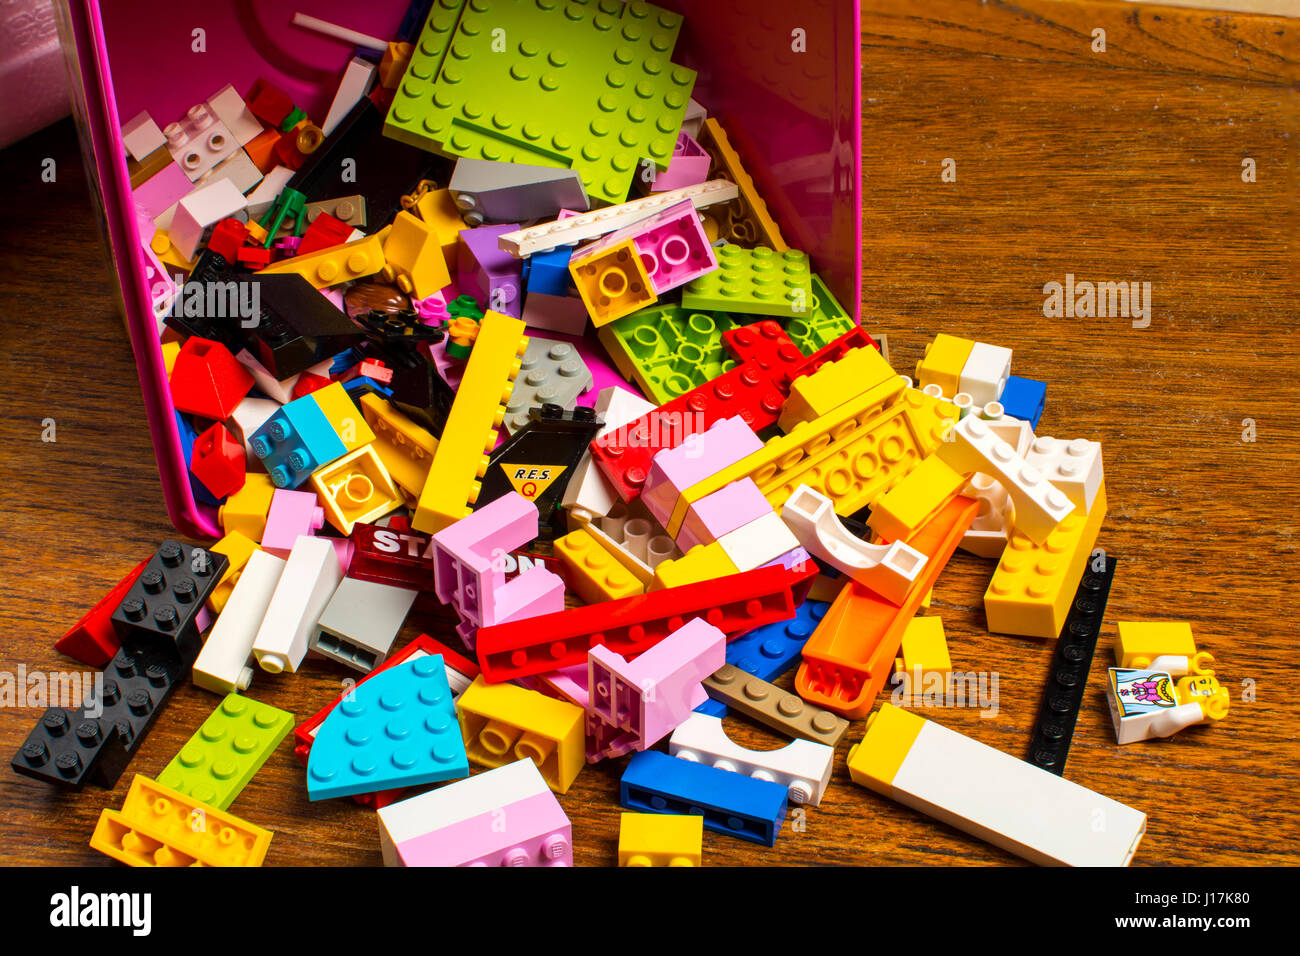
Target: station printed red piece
(218,462)
(92,640)
(207,380)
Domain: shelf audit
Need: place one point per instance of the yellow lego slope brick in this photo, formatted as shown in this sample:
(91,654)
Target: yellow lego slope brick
(405,447)
(944,359)
(704,562)
(471,430)
(918,496)
(660,839)
(338,408)
(414,259)
(502,723)
(835,383)
(592,572)
(438,210)
(341,263)
(1033,586)
(924,648)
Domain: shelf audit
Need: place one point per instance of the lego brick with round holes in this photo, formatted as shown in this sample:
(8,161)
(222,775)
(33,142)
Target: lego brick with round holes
(802,766)
(612,281)
(199,141)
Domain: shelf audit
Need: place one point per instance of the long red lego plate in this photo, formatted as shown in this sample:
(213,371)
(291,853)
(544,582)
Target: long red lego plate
(631,626)
(852,651)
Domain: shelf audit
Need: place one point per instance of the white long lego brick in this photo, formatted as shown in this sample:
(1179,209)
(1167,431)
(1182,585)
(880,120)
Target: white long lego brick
(456,802)
(760,541)
(589,225)
(201,210)
(358,78)
(141,136)
(589,491)
(231,109)
(971,447)
(1074,467)
(992,795)
(310,576)
(985,373)
(888,569)
(222,665)
(802,765)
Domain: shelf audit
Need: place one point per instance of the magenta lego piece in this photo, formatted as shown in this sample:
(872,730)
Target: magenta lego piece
(567,684)
(533,831)
(159,193)
(673,247)
(487,273)
(725,510)
(635,704)
(688,167)
(343,549)
(673,470)
(292,513)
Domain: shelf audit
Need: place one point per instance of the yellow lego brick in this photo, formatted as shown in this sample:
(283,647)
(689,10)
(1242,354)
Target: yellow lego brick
(611,280)
(245,510)
(341,263)
(1160,645)
(835,383)
(660,839)
(875,760)
(142,171)
(1032,588)
(471,430)
(438,210)
(355,488)
(750,224)
(592,572)
(925,601)
(238,548)
(638,569)
(338,408)
(944,359)
(924,648)
(915,499)
(851,455)
(169,351)
(405,447)
(158,826)
(502,723)
(414,257)
(704,562)
(167,254)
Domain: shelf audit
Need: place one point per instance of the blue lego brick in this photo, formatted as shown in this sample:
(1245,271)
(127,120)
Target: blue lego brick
(549,272)
(295,441)
(771,650)
(730,803)
(188,436)
(364,384)
(1025,399)
(397,729)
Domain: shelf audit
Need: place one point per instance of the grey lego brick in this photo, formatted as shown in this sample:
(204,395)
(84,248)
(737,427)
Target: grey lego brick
(361,622)
(487,191)
(552,373)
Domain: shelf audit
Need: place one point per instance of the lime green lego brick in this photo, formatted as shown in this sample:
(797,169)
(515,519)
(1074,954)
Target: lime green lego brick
(222,756)
(669,350)
(827,322)
(589,87)
(758,281)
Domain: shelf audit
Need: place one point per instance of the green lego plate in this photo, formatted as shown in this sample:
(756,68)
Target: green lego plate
(758,281)
(827,322)
(668,350)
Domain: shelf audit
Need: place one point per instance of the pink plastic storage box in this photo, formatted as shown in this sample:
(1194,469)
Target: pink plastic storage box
(783,79)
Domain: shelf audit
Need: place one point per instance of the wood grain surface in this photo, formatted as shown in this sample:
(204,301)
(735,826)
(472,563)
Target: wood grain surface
(1123,165)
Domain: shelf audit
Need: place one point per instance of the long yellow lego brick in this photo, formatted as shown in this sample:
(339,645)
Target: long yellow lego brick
(341,263)
(835,383)
(1032,588)
(471,430)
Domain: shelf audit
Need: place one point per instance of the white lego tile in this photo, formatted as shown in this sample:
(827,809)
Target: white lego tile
(358,79)
(141,136)
(802,765)
(201,210)
(1075,467)
(230,108)
(755,544)
(985,373)
(310,576)
(237,168)
(222,665)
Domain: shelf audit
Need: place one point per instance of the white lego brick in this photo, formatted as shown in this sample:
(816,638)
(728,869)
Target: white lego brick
(1072,466)
(250,415)
(455,803)
(1017,433)
(230,108)
(201,210)
(589,225)
(237,168)
(888,569)
(263,197)
(971,447)
(141,136)
(802,765)
(199,141)
(761,541)
(985,373)
(310,576)
(222,665)
(358,79)
(589,495)
(987,535)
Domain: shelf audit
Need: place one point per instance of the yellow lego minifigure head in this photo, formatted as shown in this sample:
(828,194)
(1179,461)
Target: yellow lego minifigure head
(1206,691)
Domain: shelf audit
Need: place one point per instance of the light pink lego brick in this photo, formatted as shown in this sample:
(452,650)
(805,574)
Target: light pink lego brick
(795,559)
(466,575)
(343,548)
(199,141)
(141,136)
(688,167)
(533,831)
(292,513)
(201,210)
(162,288)
(568,684)
(159,193)
(673,247)
(726,510)
(634,704)
(555,313)
(705,453)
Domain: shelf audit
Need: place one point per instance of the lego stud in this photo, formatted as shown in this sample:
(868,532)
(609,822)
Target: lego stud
(357,490)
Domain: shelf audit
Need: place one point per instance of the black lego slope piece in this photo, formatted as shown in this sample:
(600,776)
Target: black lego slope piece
(297,327)
(160,611)
(1049,743)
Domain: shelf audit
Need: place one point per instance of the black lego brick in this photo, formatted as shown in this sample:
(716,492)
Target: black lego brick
(160,611)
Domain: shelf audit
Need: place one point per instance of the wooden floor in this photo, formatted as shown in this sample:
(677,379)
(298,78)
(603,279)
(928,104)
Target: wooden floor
(1118,166)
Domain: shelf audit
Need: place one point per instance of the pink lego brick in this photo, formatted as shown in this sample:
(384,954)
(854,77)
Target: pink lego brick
(162,288)
(795,559)
(199,141)
(688,167)
(292,513)
(343,549)
(568,684)
(673,247)
(674,470)
(159,193)
(714,515)
(635,704)
(555,313)
(533,831)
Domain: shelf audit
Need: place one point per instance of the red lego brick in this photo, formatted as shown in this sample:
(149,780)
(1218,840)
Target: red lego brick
(325,231)
(287,151)
(766,345)
(855,338)
(254,257)
(631,626)
(227,237)
(268,103)
(92,640)
(217,461)
(207,380)
(309,382)
(375,369)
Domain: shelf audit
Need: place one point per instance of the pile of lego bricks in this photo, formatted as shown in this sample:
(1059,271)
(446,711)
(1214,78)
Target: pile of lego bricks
(763,491)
